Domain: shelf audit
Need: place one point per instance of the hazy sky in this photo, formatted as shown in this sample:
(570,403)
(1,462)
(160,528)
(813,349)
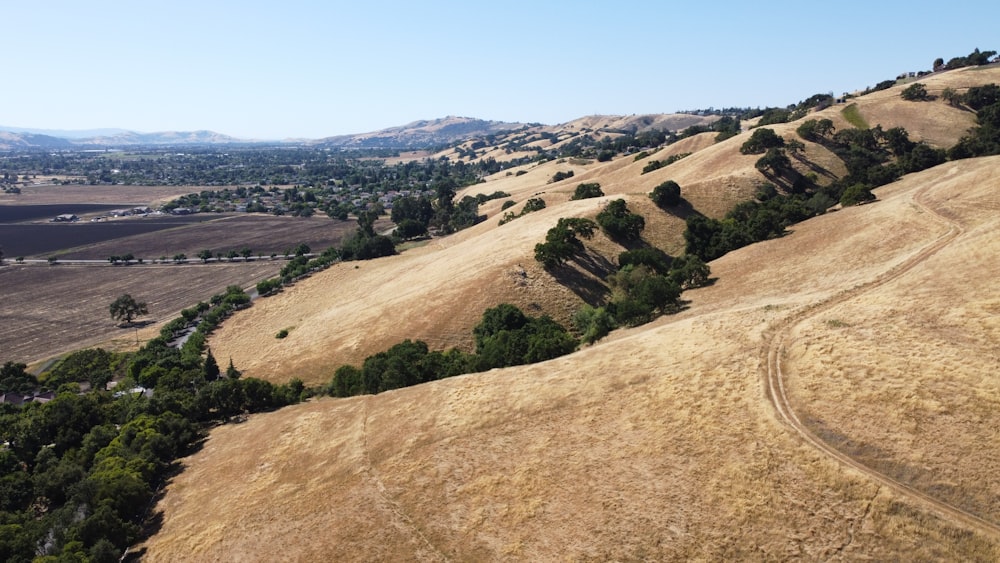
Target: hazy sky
(295,68)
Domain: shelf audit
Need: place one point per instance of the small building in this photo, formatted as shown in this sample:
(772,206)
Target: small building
(66,218)
(12,398)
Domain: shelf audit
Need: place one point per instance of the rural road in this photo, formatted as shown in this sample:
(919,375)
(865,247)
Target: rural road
(775,378)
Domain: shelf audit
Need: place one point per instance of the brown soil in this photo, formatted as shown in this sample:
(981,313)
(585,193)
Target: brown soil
(78,193)
(263,234)
(49,310)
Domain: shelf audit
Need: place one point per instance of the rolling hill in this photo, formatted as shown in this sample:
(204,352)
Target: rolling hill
(660,443)
(832,396)
(437,293)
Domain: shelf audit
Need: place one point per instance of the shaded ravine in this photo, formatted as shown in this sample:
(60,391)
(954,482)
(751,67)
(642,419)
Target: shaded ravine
(771,356)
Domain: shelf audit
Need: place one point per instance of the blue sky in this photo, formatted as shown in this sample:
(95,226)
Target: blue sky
(293,68)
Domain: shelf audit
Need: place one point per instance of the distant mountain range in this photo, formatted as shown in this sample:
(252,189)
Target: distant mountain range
(419,134)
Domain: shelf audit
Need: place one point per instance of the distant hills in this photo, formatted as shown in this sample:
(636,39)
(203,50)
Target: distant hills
(415,135)
(420,134)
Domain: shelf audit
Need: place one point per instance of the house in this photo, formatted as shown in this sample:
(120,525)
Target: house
(44,396)
(65,218)
(12,398)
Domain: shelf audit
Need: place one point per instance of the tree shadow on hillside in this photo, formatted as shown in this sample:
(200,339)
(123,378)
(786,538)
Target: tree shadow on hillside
(583,277)
(682,210)
(814,167)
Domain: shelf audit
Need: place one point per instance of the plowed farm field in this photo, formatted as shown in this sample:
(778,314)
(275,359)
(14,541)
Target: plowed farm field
(49,310)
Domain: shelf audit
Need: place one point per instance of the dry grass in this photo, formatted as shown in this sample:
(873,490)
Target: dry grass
(653,445)
(438,293)
(658,443)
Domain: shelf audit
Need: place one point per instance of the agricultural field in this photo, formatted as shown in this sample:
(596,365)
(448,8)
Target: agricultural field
(40,240)
(113,196)
(49,310)
(152,239)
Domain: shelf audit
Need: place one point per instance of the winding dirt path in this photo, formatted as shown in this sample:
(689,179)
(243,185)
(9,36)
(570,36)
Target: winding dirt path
(775,378)
(394,507)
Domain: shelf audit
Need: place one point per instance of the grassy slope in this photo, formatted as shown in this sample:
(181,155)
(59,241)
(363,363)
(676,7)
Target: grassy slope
(437,293)
(658,443)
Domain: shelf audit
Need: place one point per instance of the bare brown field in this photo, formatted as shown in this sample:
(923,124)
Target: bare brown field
(659,443)
(49,310)
(49,194)
(263,234)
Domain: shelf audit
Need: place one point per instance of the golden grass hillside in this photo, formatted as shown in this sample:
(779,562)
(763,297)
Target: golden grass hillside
(437,293)
(660,443)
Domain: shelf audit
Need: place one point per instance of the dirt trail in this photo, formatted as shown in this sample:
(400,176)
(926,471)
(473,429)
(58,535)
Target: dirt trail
(373,476)
(775,377)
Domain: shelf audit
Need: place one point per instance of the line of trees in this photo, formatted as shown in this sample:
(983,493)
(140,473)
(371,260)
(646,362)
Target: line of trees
(504,337)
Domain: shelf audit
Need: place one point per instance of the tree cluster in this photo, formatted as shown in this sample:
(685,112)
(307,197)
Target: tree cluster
(587,190)
(562,242)
(504,337)
(530,206)
(619,223)
(78,473)
(975,58)
(984,139)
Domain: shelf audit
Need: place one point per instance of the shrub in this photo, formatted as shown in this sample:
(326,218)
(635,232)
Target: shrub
(915,92)
(761,140)
(587,190)
(856,195)
(667,194)
(593,324)
(281,334)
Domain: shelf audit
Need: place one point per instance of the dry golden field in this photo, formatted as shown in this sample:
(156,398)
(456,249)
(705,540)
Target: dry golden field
(437,293)
(833,396)
(660,442)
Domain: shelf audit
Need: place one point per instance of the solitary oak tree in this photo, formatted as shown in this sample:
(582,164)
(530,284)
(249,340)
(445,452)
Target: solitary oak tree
(125,308)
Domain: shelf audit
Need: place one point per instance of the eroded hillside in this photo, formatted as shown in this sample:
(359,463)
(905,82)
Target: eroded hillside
(659,442)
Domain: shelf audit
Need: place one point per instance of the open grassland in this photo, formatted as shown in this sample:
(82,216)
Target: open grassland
(48,310)
(660,443)
(437,292)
